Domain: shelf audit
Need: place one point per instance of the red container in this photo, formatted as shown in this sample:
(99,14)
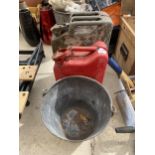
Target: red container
(47,20)
(88,61)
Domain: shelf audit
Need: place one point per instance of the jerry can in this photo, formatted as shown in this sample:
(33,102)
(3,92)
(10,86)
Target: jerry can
(46,22)
(84,29)
(90,61)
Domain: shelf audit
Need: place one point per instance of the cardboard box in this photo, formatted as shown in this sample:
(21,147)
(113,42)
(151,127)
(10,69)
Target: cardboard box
(125,49)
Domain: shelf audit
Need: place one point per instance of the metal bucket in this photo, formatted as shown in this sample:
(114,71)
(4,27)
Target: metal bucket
(76,108)
(61,17)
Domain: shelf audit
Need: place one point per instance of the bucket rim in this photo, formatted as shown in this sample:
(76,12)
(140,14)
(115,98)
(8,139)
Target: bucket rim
(61,12)
(83,77)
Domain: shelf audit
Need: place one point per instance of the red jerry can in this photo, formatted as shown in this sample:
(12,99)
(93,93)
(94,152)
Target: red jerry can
(90,61)
(46,22)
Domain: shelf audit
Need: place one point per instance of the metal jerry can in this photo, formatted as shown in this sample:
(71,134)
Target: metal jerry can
(46,22)
(84,29)
(90,61)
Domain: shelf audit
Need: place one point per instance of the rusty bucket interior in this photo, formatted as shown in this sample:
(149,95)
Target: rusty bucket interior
(76,108)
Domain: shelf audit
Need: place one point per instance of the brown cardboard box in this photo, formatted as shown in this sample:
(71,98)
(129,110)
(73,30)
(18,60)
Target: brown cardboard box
(125,49)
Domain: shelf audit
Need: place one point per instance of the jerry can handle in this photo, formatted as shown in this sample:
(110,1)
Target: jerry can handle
(85,13)
(83,23)
(62,54)
(83,49)
(86,18)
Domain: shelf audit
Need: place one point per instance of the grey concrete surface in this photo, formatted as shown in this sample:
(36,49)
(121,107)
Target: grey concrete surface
(35,138)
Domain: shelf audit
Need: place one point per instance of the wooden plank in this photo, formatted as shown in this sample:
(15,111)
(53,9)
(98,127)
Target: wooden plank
(128,28)
(27,72)
(23,97)
(131,21)
(128,64)
(35,12)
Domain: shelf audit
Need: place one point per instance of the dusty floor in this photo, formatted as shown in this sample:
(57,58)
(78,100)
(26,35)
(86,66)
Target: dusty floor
(35,139)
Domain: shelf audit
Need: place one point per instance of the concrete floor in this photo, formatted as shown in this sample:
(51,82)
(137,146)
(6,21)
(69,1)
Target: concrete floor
(35,139)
